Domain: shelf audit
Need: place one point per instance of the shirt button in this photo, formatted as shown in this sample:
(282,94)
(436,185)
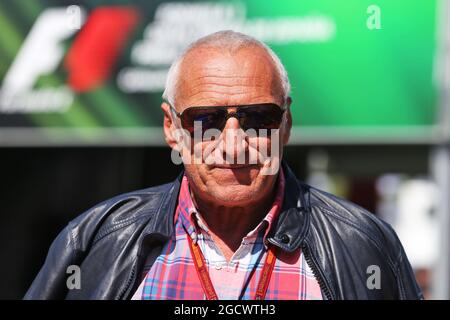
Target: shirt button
(218,266)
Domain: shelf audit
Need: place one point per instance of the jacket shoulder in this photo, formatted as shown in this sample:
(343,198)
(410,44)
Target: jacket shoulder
(116,213)
(73,244)
(353,220)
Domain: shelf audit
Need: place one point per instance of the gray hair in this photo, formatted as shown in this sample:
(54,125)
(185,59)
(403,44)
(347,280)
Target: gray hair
(229,40)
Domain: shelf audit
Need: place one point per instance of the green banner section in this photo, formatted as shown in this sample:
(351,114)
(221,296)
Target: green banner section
(94,71)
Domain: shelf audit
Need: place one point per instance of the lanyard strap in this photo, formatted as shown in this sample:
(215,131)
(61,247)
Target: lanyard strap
(205,279)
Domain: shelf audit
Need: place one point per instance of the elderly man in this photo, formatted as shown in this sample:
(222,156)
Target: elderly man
(227,228)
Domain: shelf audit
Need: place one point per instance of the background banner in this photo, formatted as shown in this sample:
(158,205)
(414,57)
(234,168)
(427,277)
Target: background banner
(92,72)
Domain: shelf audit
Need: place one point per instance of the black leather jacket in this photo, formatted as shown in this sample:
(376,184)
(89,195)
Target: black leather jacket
(340,240)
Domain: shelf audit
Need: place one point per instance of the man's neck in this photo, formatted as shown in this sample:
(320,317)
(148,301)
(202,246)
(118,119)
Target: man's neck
(229,225)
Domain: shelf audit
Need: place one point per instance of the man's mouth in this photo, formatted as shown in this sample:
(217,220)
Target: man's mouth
(233,166)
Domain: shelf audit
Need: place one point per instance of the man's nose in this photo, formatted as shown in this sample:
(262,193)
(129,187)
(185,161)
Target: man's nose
(234,141)
(232,123)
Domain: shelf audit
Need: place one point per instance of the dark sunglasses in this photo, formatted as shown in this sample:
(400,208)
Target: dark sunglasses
(253,116)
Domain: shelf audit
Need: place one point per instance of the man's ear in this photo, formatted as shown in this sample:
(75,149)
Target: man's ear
(287,132)
(169,126)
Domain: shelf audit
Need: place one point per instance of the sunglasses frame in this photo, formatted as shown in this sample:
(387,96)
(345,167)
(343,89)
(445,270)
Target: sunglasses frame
(229,114)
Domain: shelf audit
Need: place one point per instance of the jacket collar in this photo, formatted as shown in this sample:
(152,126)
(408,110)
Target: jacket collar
(288,231)
(293,222)
(161,224)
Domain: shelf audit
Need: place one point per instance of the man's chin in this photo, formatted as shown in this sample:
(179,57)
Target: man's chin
(233,194)
(234,175)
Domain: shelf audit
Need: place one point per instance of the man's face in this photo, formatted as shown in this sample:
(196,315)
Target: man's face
(209,77)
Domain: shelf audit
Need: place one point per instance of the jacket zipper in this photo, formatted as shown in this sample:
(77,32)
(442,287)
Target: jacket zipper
(317,274)
(130,281)
(132,277)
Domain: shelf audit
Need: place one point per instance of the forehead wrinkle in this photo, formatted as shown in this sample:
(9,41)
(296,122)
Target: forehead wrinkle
(242,64)
(208,86)
(224,77)
(220,93)
(227,80)
(226,92)
(206,73)
(215,82)
(227,100)
(231,84)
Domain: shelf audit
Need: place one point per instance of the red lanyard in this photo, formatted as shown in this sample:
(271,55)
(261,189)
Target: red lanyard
(205,280)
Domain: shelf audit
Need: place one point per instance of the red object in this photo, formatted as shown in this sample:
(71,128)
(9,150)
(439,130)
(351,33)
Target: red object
(96,48)
(205,280)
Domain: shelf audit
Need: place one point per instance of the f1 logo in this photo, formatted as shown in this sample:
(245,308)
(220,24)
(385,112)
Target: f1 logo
(41,51)
(90,58)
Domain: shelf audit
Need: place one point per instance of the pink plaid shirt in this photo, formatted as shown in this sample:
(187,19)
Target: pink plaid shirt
(173,274)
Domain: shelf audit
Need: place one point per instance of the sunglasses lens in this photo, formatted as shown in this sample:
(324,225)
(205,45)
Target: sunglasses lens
(207,118)
(266,116)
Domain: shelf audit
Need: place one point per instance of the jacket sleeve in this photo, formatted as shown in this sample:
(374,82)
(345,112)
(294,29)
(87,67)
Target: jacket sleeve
(50,283)
(406,280)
